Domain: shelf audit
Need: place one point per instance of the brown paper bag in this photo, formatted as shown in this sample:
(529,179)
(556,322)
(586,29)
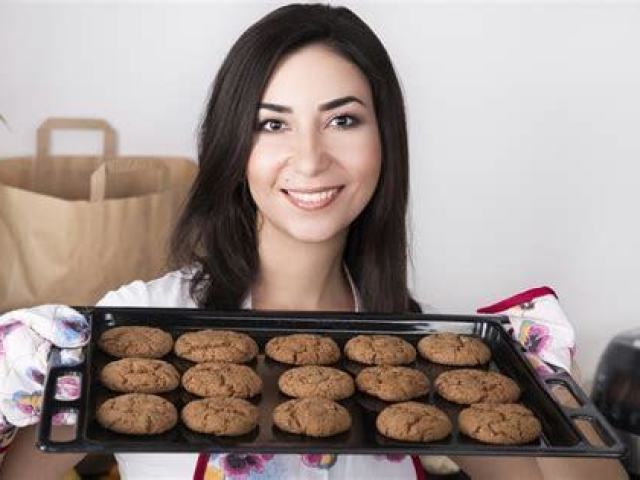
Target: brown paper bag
(74,227)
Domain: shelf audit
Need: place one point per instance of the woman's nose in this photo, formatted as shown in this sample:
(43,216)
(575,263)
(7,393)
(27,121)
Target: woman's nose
(311,156)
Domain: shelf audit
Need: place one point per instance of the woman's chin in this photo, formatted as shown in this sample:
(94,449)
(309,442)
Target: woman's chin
(314,234)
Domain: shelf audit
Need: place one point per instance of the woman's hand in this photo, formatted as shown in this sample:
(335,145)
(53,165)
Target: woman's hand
(26,337)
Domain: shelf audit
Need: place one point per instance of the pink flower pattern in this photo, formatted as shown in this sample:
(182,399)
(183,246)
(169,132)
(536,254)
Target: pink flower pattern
(239,467)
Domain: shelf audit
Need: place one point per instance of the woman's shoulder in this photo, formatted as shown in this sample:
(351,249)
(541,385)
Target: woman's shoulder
(170,290)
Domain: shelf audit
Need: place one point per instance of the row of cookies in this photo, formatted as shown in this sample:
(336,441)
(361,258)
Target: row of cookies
(443,348)
(503,424)
(199,346)
(208,379)
(294,349)
(145,414)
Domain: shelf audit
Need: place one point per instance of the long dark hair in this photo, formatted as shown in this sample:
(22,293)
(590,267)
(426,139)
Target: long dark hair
(217,234)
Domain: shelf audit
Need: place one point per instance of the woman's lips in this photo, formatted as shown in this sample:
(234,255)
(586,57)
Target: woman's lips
(312,200)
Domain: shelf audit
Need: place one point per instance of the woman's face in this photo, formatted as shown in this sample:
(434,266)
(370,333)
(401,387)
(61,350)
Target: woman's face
(316,156)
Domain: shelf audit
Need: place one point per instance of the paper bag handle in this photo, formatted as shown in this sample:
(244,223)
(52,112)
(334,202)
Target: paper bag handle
(150,176)
(43,141)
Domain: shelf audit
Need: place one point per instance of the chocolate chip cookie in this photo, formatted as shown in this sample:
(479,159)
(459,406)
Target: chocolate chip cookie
(392,383)
(503,424)
(303,349)
(314,416)
(380,350)
(141,375)
(413,422)
(220,416)
(211,379)
(137,414)
(454,349)
(216,346)
(316,381)
(135,341)
(467,386)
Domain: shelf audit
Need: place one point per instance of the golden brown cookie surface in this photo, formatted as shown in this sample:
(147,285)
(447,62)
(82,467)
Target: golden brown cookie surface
(380,350)
(392,383)
(467,385)
(135,341)
(503,424)
(220,416)
(216,346)
(315,417)
(414,422)
(141,375)
(454,349)
(303,349)
(316,381)
(212,379)
(137,414)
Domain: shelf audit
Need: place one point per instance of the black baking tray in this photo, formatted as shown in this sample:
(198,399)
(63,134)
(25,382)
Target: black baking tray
(560,437)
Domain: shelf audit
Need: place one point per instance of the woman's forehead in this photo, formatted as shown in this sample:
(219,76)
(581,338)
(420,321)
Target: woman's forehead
(313,75)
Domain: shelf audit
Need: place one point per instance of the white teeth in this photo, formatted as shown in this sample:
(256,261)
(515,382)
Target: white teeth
(314,197)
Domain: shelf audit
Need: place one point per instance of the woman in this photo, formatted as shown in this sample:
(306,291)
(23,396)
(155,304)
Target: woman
(303,163)
(300,204)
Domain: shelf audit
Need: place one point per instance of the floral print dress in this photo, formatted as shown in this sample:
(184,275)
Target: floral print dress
(307,467)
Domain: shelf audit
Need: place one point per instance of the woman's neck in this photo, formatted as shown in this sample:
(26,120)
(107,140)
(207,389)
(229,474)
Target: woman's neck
(296,275)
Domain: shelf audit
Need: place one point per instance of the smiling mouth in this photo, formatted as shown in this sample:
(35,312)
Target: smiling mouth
(312,199)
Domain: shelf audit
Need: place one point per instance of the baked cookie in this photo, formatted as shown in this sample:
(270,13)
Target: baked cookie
(212,379)
(216,346)
(316,381)
(303,349)
(467,386)
(454,349)
(141,375)
(220,416)
(142,342)
(392,383)
(503,424)
(380,350)
(314,416)
(137,414)
(413,422)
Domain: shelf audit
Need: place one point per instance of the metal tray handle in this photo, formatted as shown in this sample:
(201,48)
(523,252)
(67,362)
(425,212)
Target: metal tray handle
(52,405)
(585,411)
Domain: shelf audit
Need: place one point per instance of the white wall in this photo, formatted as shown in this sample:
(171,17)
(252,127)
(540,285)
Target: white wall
(524,128)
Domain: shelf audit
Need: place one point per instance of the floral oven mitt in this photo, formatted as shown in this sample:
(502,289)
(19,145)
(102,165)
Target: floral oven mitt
(539,324)
(26,337)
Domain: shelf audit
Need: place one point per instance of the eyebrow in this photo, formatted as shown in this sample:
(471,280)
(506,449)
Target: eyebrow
(330,105)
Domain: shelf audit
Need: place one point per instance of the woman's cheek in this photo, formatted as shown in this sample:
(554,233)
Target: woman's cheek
(264,163)
(361,155)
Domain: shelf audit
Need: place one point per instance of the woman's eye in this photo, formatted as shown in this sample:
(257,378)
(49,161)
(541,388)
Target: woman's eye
(270,125)
(344,121)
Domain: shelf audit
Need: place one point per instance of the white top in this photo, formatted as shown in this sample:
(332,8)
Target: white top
(172,291)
